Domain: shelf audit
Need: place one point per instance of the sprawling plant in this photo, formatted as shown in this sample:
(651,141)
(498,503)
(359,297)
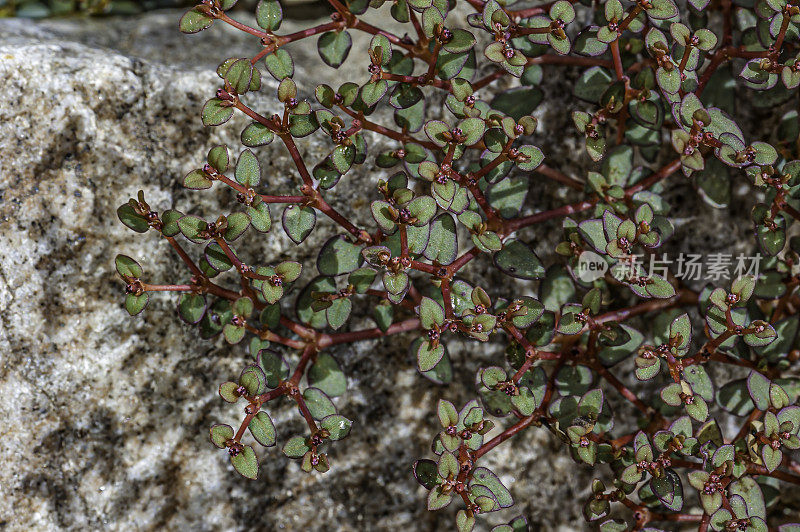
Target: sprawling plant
(703,381)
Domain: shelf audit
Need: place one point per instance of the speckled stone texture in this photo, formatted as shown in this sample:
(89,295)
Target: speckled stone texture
(105,417)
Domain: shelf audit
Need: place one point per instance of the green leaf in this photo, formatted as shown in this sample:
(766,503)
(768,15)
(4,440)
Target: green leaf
(127,267)
(518,260)
(326,375)
(734,398)
(302,125)
(425,472)
(443,243)
(758,387)
(248,169)
(269,14)
(220,434)
(191,307)
(395,283)
(533,157)
(296,447)
(338,426)
(338,313)
(383,314)
(371,93)
(482,476)
(240,75)
(592,84)
(669,490)
(280,64)
(274,367)
(262,429)
(334,47)
(298,222)
(256,134)
(508,195)
(339,256)
(259,217)
(289,271)
(518,102)
(438,500)
(318,403)
(218,158)
(216,258)
(253,380)
(238,222)
(128,216)
(448,415)
(429,356)
(215,112)
(772,457)
(195,180)
(135,304)
(430,313)
(195,20)
(245,463)
(342,158)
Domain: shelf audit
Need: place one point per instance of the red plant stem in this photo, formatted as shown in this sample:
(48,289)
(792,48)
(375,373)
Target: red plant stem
(243,427)
(497,74)
(308,353)
(395,135)
(167,287)
(385,295)
(447,298)
(414,80)
(270,395)
(403,240)
(421,37)
(782,33)
(497,161)
(624,391)
(685,59)
(266,334)
(310,32)
(518,223)
(627,20)
(683,297)
(617,59)
(567,60)
(459,263)
(555,175)
(755,414)
(301,404)
(185,257)
(524,422)
(327,340)
(394,39)
(243,27)
(660,175)
(299,330)
(531,31)
(230,254)
(480,199)
(337,217)
(423,267)
(791,211)
(282,199)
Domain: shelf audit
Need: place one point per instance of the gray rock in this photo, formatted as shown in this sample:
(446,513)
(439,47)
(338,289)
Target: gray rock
(106,416)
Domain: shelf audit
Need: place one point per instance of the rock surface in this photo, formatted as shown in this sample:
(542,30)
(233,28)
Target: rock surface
(105,416)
